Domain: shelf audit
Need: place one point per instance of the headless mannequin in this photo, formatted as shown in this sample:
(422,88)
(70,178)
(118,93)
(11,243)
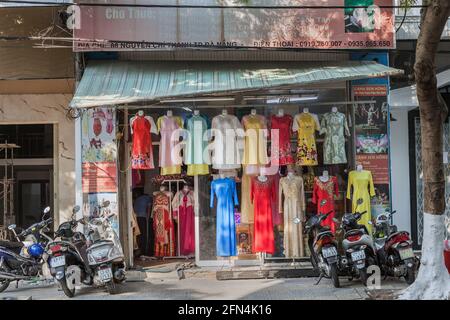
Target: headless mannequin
(253,112)
(186,189)
(290,175)
(262,178)
(169,113)
(196,112)
(140,113)
(334,110)
(305,110)
(359,168)
(280,113)
(324,177)
(224,112)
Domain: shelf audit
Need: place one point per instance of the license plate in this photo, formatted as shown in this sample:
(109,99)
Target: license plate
(406,254)
(58,261)
(329,252)
(358,255)
(105,274)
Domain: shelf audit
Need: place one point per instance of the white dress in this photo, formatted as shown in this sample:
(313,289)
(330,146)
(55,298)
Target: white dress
(227,131)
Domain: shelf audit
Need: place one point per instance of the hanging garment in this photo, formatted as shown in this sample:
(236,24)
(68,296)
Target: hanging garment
(183,212)
(142,152)
(293,206)
(326,191)
(225,191)
(136,231)
(246,203)
(284,126)
(226,130)
(334,125)
(169,159)
(255,146)
(163,225)
(306,124)
(363,188)
(196,146)
(262,195)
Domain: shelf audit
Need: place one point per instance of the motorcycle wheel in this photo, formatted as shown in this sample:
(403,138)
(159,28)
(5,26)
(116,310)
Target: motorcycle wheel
(112,287)
(410,276)
(363,276)
(4,283)
(334,275)
(68,292)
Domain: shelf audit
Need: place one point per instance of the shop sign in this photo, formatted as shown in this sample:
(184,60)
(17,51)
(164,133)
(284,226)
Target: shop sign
(318,24)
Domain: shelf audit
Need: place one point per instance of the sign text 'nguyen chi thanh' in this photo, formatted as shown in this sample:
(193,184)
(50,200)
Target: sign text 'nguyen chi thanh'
(128,25)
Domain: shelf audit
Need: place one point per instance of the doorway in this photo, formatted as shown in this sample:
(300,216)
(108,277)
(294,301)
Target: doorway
(34,196)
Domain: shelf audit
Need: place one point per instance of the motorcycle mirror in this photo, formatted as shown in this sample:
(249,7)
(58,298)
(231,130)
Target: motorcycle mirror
(76,209)
(11,227)
(370,222)
(46,210)
(106,203)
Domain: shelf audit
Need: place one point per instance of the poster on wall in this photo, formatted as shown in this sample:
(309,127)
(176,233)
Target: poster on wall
(99,166)
(334,24)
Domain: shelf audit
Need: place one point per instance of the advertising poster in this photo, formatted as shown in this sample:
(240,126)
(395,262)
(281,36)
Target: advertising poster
(99,166)
(345,24)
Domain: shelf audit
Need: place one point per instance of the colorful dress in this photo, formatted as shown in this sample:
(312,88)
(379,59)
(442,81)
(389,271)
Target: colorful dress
(226,155)
(255,146)
(142,152)
(196,144)
(284,126)
(326,191)
(163,225)
(334,125)
(246,203)
(262,195)
(225,191)
(306,124)
(183,212)
(292,207)
(169,159)
(363,188)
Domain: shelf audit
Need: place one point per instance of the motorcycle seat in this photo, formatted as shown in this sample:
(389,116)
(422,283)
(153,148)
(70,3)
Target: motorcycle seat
(11,245)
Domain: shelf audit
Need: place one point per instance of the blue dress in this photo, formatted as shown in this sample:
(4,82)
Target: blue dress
(225,191)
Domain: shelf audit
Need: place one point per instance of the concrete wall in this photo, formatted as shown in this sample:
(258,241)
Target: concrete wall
(400,169)
(49,108)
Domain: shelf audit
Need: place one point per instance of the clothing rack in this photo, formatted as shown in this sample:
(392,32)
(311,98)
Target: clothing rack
(169,182)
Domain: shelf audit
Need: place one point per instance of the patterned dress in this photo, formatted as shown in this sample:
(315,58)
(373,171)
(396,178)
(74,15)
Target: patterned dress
(334,125)
(326,191)
(163,225)
(306,124)
(284,126)
(142,152)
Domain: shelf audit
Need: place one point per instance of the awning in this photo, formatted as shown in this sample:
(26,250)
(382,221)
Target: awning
(124,82)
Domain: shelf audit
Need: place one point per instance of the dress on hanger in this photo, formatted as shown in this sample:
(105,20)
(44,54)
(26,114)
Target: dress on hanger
(225,191)
(292,207)
(262,195)
(163,225)
(142,151)
(284,126)
(326,191)
(334,125)
(226,154)
(255,146)
(246,203)
(167,126)
(306,125)
(183,212)
(363,188)
(195,146)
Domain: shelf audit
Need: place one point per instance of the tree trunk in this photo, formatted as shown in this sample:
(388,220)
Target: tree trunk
(433,281)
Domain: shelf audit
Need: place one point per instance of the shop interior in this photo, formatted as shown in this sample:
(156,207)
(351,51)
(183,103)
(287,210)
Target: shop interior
(171,205)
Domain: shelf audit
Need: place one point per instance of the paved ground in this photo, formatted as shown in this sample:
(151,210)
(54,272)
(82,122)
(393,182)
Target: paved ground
(205,286)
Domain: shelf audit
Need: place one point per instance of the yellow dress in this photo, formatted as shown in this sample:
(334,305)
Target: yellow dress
(247,210)
(306,125)
(255,147)
(363,188)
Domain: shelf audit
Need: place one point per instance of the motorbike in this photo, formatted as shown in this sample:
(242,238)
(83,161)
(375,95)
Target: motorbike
(394,249)
(358,246)
(323,247)
(23,259)
(105,253)
(67,255)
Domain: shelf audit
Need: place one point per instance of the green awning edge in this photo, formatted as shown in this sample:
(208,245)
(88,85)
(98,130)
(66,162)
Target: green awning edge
(107,83)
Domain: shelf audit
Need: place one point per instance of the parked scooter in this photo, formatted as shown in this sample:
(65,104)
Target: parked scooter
(105,254)
(23,259)
(323,247)
(358,245)
(67,255)
(394,249)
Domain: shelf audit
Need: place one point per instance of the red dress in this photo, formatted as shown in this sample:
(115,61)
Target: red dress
(142,152)
(326,191)
(262,195)
(183,212)
(284,126)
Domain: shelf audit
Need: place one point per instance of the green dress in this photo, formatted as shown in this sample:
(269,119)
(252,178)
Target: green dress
(334,125)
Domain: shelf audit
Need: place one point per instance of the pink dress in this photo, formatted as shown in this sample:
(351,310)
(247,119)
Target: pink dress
(169,163)
(183,212)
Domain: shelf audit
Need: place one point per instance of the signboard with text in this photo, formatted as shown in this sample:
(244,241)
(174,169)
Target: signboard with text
(158,25)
